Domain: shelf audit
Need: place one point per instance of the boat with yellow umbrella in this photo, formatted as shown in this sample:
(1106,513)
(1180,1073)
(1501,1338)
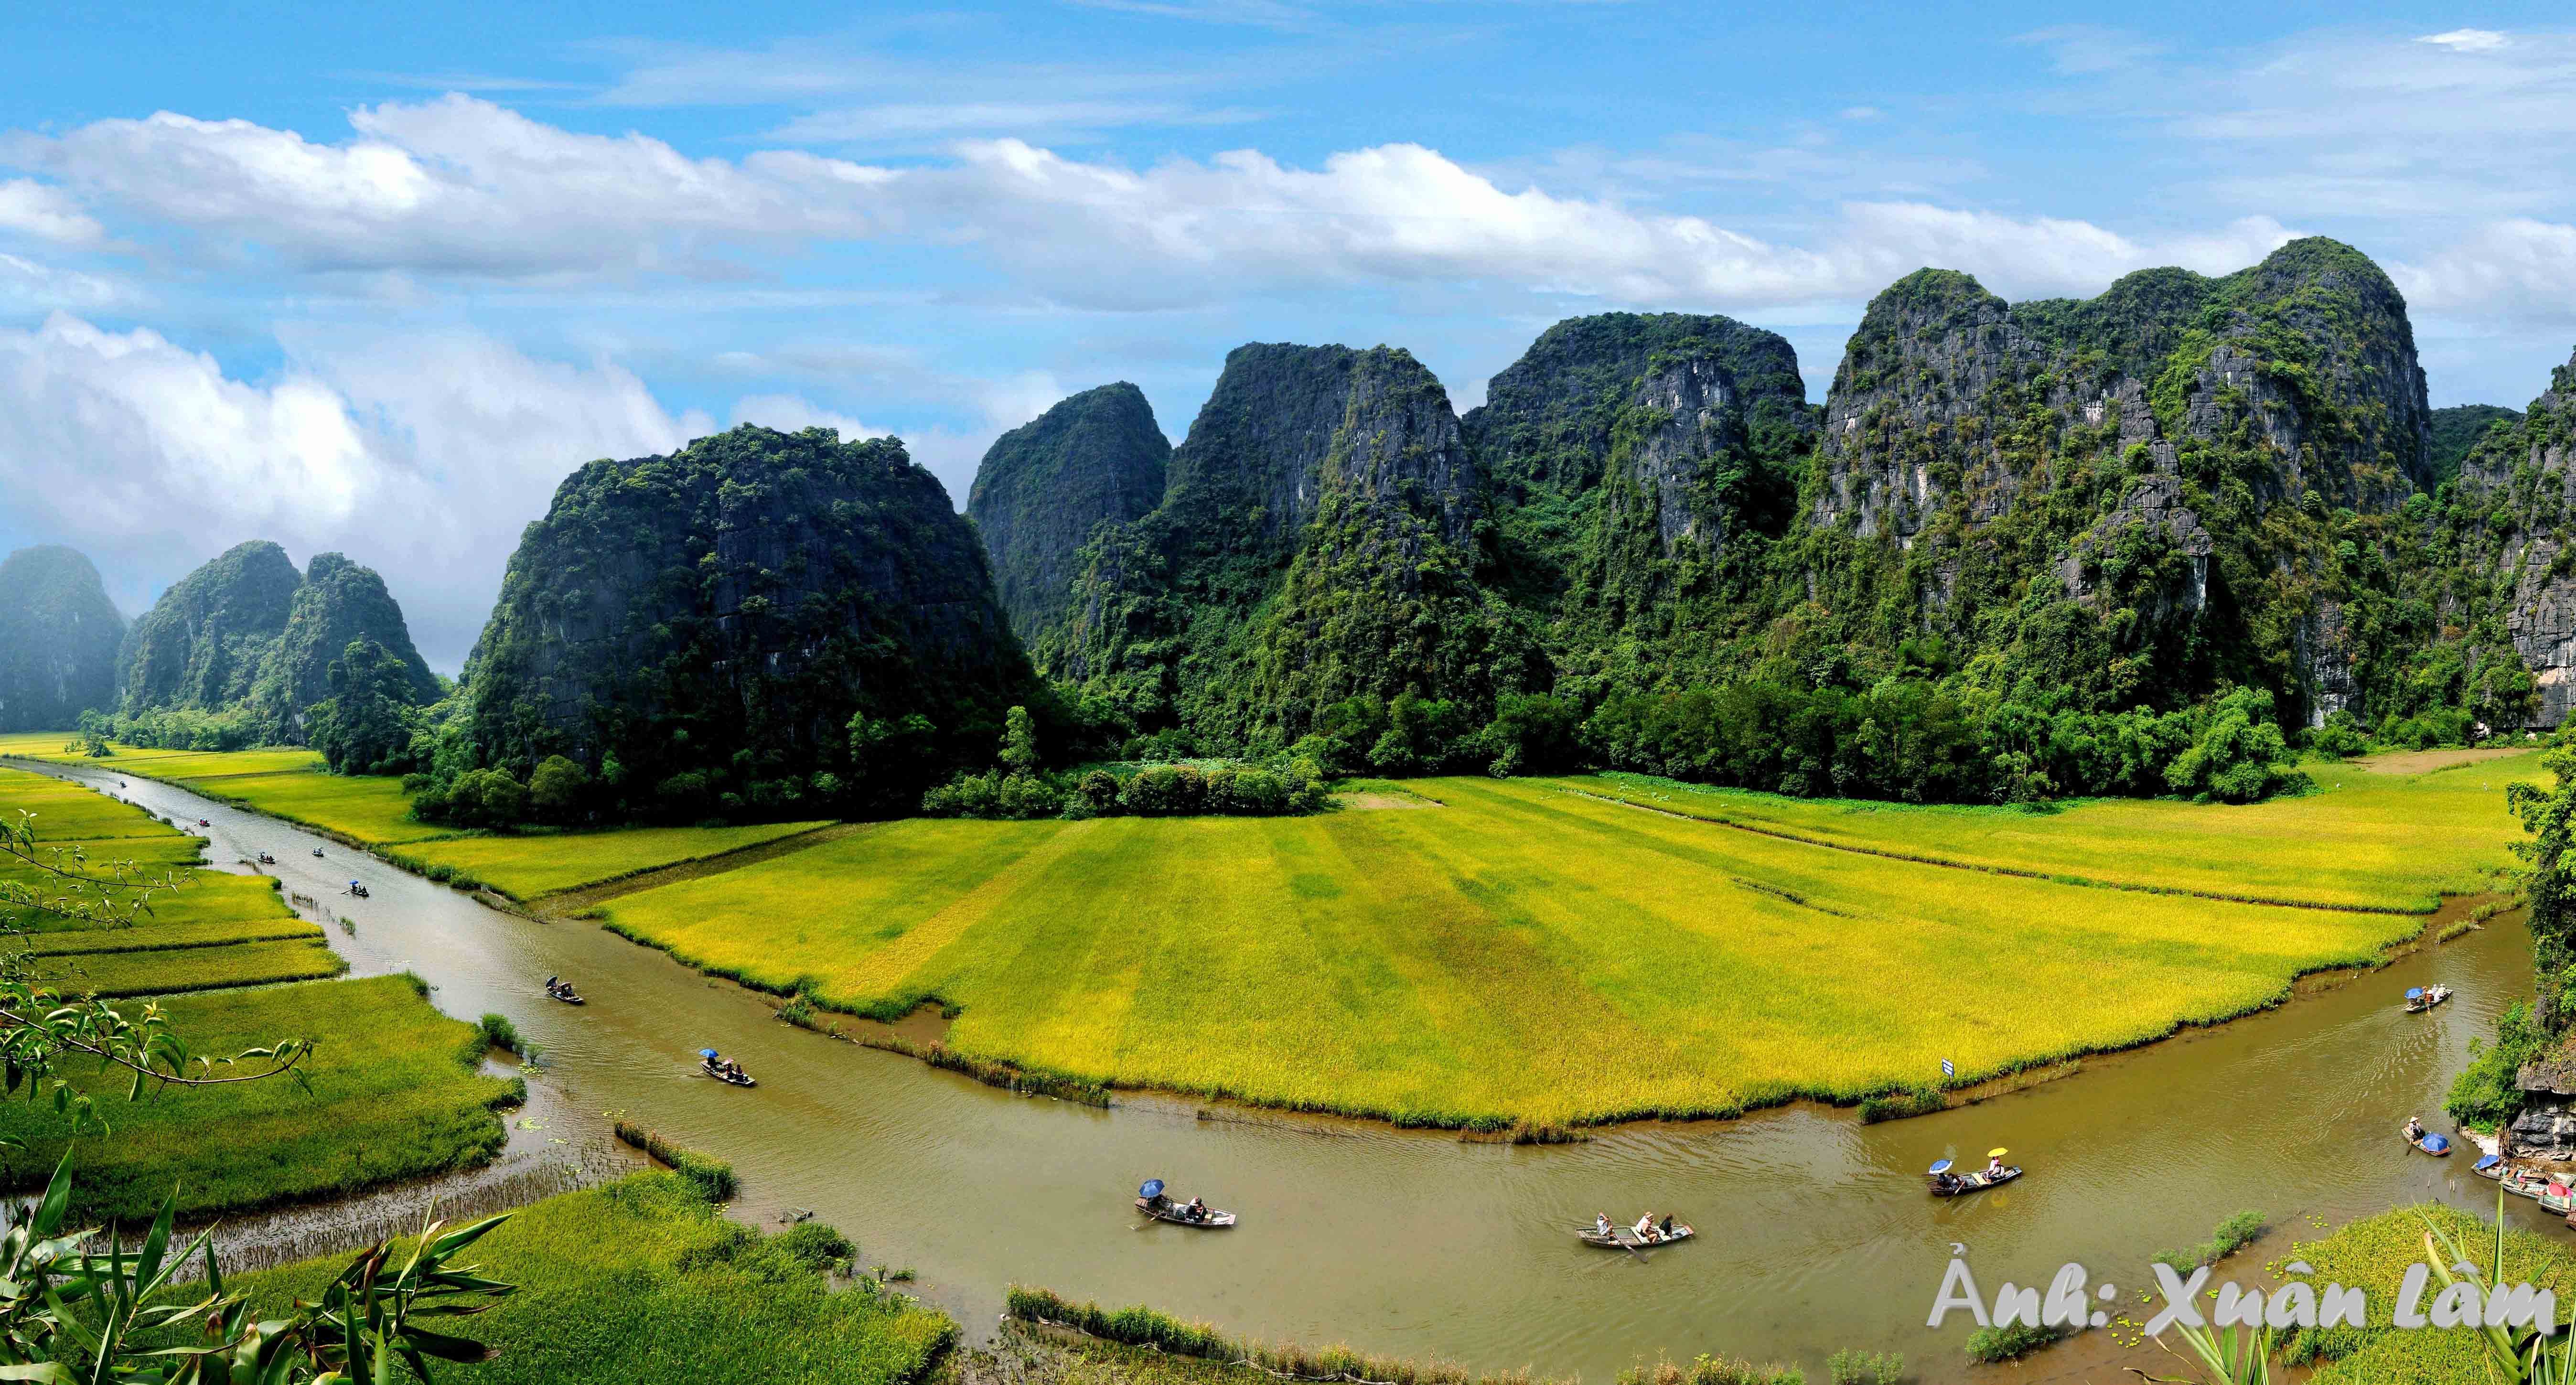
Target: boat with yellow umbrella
(1947,1182)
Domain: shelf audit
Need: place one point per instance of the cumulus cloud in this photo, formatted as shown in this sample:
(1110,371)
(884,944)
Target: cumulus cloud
(46,213)
(27,283)
(459,186)
(422,457)
(455,186)
(2519,267)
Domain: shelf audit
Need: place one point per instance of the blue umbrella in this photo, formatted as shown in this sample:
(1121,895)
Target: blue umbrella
(1942,1167)
(2414,993)
(706,1053)
(1153,1188)
(2436,1142)
(2490,1161)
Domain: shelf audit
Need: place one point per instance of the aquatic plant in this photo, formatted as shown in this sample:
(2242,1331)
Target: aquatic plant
(2232,1235)
(2008,1341)
(712,1177)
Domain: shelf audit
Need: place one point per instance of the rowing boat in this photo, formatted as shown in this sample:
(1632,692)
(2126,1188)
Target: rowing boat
(2419,999)
(1626,1237)
(1178,1214)
(1947,1184)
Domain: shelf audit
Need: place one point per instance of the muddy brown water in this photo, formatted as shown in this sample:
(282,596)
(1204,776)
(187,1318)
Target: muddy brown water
(1815,1230)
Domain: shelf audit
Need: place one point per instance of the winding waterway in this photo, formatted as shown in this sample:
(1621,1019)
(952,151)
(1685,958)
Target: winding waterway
(1816,1233)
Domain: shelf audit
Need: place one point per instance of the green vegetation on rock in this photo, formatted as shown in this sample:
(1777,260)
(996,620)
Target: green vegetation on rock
(59,636)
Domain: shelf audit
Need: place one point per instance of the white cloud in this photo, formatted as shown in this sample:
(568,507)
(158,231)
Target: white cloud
(26,283)
(421,456)
(2466,40)
(790,413)
(456,186)
(47,213)
(459,186)
(911,122)
(2519,268)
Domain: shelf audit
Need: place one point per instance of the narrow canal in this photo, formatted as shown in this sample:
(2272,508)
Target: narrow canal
(1816,1233)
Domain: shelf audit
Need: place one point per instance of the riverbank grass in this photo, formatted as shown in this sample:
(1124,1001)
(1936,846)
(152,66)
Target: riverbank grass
(641,1282)
(2373,1255)
(1522,953)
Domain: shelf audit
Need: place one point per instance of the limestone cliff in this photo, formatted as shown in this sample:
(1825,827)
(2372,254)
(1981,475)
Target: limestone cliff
(2516,498)
(202,645)
(339,602)
(1629,457)
(1316,541)
(1045,487)
(709,623)
(2172,449)
(58,639)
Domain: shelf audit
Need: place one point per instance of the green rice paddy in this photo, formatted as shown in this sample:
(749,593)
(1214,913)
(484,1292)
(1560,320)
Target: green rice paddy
(642,1281)
(532,866)
(390,1091)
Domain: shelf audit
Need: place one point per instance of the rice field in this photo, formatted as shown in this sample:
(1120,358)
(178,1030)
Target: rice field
(393,1093)
(641,1281)
(1522,953)
(527,867)
(2364,839)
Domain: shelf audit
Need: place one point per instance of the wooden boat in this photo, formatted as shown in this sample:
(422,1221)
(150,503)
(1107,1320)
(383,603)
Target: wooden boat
(2439,1146)
(267,860)
(739,1079)
(2557,1196)
(1626,1237)
(2490,1167)
(2419,999)
(567,995)
(1178,1213)
(1947,1184)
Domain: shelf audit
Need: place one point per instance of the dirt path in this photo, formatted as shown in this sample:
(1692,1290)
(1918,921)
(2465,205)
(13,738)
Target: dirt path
(571,903)
(2427,761)
(1367,801)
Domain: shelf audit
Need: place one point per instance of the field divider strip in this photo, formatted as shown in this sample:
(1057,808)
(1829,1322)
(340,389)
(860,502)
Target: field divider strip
(2073,881)
(645,878)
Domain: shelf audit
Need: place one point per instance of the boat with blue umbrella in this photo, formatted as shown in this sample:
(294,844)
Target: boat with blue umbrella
(1154,1202)
(2422,998)
(724,1069)
(1946,1181)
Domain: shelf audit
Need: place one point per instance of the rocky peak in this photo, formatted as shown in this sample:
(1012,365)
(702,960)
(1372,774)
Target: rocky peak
(202,644)
(1547,419)
(2522,473)
(719,615)
(1046,486)
(58,639)
(339,603)
(1287,424)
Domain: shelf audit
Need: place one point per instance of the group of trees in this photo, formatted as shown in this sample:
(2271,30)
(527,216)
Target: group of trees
(1019,787)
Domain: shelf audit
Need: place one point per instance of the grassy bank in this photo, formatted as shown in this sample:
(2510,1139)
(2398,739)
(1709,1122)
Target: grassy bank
(641,1282)
(2364,839)
(374,812)
(2373,1255)
(390,1092)
(1520,953)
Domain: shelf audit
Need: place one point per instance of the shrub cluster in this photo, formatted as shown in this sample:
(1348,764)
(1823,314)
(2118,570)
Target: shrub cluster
(2232,1235)
(1229,790)
(2007,1343)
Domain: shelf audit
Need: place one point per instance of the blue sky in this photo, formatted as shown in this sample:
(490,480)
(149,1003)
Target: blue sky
(375,278)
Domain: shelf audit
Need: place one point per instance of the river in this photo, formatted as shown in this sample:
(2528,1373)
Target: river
(1815,1230)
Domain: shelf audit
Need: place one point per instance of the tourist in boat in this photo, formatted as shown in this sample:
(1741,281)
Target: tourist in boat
(1645,1227)
(1601,1223)
(1667,1226)
(2414,1130)
(1994,1168)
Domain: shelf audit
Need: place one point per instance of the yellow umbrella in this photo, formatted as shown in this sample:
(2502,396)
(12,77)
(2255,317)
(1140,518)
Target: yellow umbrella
(1997,1153)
